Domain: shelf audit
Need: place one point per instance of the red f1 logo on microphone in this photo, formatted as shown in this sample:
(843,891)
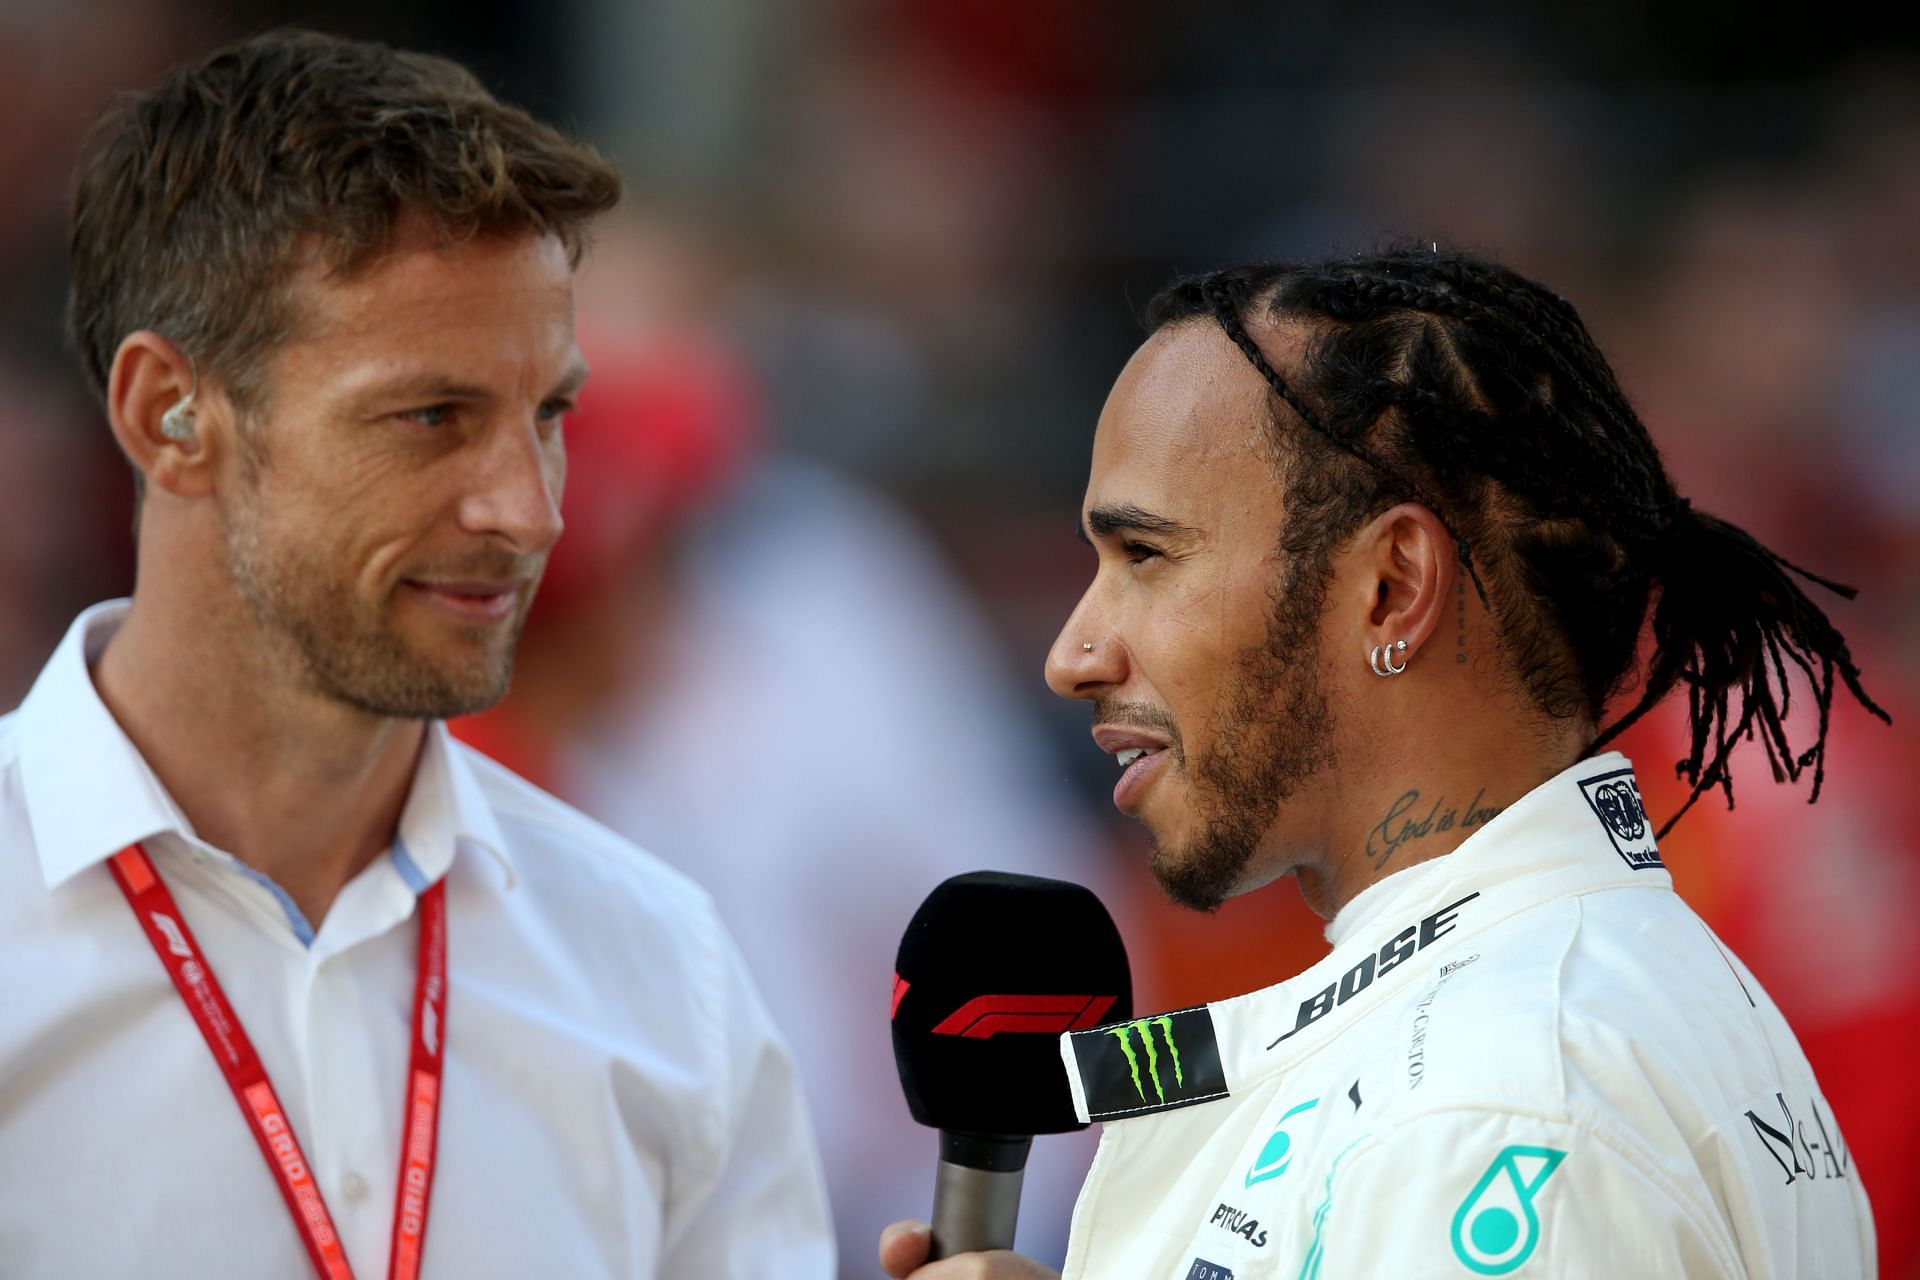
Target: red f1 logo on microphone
(986,1016)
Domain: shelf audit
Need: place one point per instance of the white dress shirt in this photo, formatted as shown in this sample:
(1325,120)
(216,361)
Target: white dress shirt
(616,1100)
(1527,1057)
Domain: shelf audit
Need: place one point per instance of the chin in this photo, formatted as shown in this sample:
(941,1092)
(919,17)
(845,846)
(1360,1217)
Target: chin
(1194,879)
(1223,860)
(411,685)
(470,667)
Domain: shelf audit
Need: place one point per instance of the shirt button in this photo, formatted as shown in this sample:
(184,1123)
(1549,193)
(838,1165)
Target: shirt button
(353,1187)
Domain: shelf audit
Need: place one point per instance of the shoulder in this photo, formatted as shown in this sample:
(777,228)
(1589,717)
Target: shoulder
(1522,1010)
(552,844)
(583,897)
(639,943)
(1614,1017)
(1610,1036)
(622,954)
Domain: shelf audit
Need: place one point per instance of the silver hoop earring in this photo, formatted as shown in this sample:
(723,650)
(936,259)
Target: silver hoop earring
(1381,659)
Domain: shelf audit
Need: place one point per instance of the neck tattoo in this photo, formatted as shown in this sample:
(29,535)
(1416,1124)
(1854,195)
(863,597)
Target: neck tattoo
(1409,820)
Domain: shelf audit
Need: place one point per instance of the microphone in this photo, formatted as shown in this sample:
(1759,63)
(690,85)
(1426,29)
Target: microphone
(992,969)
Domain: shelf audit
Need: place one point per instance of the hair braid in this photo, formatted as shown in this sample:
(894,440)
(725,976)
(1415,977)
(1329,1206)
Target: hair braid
(1550,322)
(1483,395)
(1601,391)
(1647,508)
(1227,314)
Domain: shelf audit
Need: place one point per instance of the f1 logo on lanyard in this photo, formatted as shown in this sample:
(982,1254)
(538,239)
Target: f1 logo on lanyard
(180,954)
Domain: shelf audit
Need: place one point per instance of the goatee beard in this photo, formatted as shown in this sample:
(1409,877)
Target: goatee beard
(1273,736)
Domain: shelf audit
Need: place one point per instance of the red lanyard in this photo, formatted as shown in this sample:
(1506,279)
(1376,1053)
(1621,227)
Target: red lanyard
(174,943)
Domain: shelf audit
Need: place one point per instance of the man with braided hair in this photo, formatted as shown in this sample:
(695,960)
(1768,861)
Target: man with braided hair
(1378,537)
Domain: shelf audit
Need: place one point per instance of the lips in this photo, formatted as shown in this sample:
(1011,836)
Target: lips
(1140,755)
(472,601)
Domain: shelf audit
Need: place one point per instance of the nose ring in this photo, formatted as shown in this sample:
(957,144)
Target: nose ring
(1086,648)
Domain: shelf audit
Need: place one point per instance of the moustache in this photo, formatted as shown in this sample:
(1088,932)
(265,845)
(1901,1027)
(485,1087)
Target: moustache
(1143,716)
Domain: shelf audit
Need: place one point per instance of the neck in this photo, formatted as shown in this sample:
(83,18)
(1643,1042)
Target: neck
(1415,806)
(297,785)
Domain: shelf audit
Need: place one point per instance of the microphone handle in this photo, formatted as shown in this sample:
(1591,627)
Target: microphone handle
(976,1192)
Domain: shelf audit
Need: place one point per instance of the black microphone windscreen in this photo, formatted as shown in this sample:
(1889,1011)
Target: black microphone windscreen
(992,969)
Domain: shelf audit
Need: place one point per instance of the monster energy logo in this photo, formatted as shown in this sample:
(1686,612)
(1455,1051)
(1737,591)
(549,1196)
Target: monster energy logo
(1124,1034)
(1182,1064)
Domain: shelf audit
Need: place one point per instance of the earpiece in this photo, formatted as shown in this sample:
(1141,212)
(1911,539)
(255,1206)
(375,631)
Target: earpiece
(177,422)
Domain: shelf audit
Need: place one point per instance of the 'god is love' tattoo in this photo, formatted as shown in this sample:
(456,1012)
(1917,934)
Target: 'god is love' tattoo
(1407,822)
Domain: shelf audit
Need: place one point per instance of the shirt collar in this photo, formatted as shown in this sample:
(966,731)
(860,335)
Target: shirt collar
(447,808)
(90,794)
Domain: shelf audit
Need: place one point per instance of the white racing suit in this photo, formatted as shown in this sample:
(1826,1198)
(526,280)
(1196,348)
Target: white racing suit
(1527,1057)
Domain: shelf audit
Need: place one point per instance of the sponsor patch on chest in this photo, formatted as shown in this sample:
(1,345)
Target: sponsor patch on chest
(1239,1222)
(1204,1270)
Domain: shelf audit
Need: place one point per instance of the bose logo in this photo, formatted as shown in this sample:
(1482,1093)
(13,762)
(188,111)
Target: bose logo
(1400,949)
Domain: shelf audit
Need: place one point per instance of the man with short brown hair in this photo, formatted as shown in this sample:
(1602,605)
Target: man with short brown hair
(310,974)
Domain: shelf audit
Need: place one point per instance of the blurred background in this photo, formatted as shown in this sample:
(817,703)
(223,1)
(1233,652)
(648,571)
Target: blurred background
(879,263)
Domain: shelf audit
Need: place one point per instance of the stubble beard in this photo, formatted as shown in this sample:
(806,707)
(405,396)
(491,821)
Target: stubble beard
(1274,734)
(349,652)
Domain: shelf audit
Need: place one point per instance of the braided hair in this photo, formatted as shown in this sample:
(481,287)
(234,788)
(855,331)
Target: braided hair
(1441,378)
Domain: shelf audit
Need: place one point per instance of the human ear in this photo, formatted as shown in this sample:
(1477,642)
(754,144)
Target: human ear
(158,414)
(1406,563)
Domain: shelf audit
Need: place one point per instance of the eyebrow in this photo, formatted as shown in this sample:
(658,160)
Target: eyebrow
(434,386)
(427,387)
(1108,520)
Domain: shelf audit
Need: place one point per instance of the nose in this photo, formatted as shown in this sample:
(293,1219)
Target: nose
(517,495)
(1086,656)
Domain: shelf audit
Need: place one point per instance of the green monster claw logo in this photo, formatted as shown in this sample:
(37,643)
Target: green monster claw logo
(1124,1034)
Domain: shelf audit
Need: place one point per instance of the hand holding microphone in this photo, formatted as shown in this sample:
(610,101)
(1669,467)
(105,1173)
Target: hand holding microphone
(904,1253)
(992,969)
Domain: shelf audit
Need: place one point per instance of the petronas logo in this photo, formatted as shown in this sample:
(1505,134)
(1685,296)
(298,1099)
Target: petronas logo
(1143,1027)
(1495,1229)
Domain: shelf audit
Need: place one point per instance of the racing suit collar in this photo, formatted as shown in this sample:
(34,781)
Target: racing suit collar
(1582,830)
(1556,815)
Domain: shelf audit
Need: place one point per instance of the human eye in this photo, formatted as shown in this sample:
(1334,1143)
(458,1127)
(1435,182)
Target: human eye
(556,409)
(1139,552)
(432,415)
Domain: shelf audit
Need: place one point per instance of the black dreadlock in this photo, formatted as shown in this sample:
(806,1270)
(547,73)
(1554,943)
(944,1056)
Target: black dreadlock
(1440,378)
